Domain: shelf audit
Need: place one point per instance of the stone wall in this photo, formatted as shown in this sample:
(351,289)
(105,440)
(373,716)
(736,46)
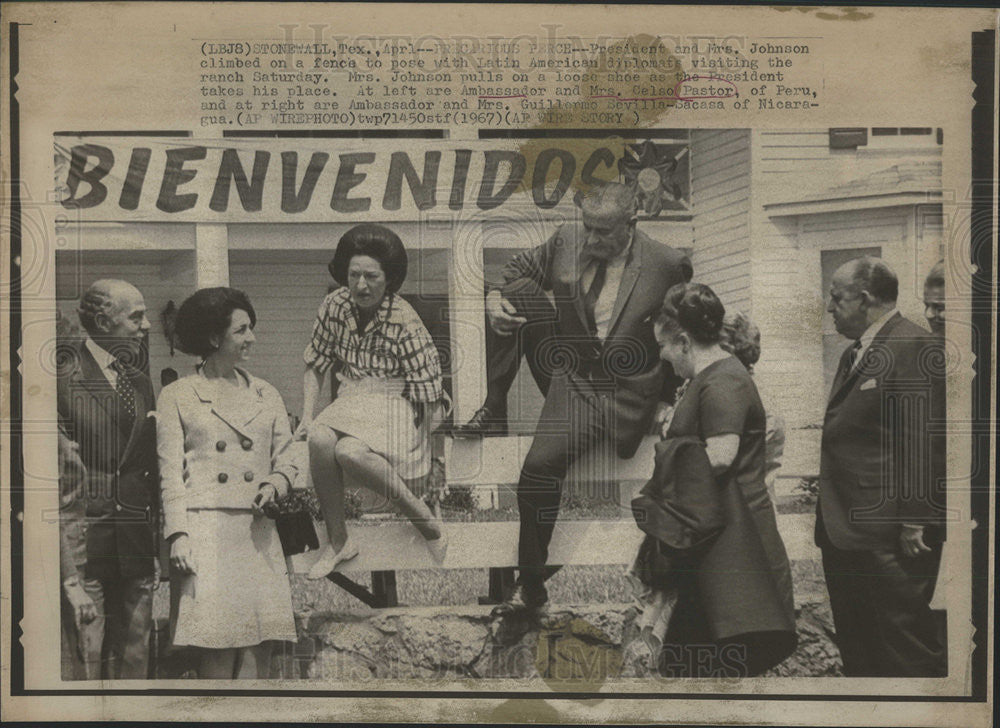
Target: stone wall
(571,648)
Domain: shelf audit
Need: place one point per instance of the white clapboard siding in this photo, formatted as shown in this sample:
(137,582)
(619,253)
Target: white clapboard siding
(720,197)
(788,300)
(285,295)
(789,309)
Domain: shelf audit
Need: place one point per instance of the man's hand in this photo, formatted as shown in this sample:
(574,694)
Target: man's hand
(70,464)
(157,572)
(84,609)
(502,314)
(911,540)
(181,556)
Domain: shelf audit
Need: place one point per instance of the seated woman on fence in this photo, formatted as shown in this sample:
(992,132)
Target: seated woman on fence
(730,590)
(222,441)
(376,433)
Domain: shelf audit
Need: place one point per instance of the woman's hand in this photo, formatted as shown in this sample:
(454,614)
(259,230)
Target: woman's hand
(427,411)
(265,503)
(181,556)
(436,416)
(302,431)
(664,416)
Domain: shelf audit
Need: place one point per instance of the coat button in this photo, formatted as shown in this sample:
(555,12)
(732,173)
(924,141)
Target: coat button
(248,476)
(223,477)
(246,443)
(220,445)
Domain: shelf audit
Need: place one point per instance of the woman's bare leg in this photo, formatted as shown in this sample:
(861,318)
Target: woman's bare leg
(328,480)
(255,662)
(370,469)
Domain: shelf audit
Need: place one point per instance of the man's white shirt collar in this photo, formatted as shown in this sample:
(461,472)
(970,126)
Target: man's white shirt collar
(871,332)
(104,360)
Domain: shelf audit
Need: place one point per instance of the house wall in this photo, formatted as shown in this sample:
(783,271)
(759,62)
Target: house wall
(161,266)
(786,290)
(720,197)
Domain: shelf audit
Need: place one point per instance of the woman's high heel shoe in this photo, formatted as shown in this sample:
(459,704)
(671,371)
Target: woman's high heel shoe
(329,559)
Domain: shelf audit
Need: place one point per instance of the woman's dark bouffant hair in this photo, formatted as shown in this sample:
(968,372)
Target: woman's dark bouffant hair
(375,241)
(695,309)
(741,338)
(207,313)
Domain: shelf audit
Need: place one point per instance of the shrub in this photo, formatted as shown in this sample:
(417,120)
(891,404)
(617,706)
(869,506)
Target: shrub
(305,500)
(459,498)
(808,490)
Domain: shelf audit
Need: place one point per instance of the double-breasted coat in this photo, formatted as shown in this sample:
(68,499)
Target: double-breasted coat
(215,452)
(217,445)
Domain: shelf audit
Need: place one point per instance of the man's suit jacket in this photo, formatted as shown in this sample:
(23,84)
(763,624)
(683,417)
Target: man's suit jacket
(110,521)
(881,464)
(629,354)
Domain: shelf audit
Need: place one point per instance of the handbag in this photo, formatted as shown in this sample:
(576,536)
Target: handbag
(297,532)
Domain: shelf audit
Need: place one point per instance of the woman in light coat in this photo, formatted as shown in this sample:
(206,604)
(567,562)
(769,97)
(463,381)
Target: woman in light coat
(222,441)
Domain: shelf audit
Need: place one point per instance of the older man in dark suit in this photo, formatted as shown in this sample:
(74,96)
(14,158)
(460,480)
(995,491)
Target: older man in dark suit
(880,518)
(109,534)
(595,355)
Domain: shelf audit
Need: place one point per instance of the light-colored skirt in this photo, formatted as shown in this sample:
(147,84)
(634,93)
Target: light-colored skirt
(375,412)
(239,594)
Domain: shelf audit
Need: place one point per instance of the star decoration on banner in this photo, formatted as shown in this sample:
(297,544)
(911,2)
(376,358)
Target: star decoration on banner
(658,173)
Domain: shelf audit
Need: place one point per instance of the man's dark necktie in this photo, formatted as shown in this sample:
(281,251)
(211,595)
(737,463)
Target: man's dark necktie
(594,292)
(125,390)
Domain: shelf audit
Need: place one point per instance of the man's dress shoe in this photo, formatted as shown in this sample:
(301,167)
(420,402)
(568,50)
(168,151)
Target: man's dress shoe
(486,421)
(523,600)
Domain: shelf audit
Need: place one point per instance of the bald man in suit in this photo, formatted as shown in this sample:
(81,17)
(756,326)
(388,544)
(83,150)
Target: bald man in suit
(108,434)
(880,517)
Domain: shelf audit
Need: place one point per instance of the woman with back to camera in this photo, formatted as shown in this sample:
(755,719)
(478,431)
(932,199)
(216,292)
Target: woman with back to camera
(733,594)
(376,432)
(222,441)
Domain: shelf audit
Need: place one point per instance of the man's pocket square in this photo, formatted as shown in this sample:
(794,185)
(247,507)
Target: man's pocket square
(868,384)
